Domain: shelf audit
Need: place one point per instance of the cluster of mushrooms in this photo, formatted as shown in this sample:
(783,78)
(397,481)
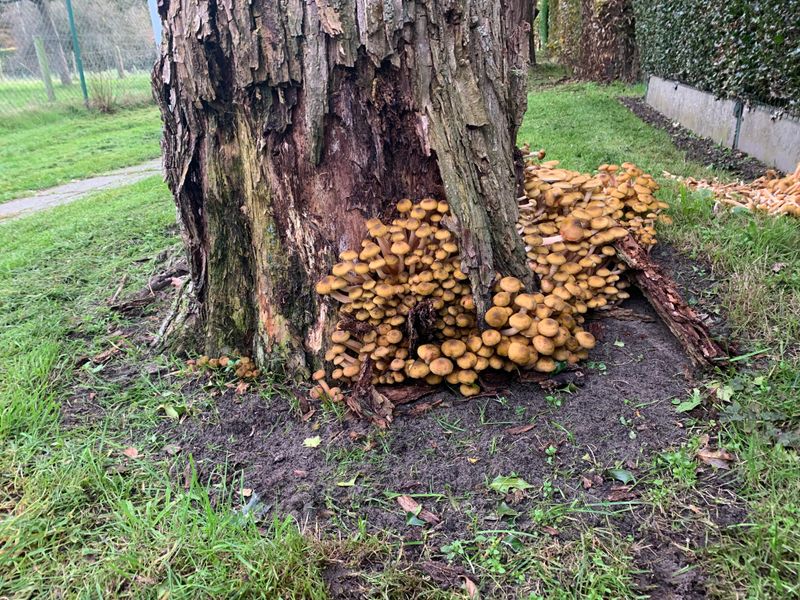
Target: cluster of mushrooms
(243,367)
(569,222)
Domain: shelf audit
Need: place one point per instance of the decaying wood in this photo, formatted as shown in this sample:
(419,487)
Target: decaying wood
(770,193)
(662,293)
(289,123)
(147,294)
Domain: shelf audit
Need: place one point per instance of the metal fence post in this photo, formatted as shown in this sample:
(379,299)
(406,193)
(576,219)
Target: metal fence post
(44,68)
(76,48)
(155,21)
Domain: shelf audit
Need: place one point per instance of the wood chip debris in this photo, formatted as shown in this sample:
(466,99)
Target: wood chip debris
(771,193)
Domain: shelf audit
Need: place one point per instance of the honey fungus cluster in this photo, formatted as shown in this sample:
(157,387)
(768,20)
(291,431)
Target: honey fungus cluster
(569,222)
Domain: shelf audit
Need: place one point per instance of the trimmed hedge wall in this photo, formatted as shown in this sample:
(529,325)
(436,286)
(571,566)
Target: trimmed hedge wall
(748,50)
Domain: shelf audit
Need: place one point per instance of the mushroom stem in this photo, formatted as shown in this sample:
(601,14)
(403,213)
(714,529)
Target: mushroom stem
(385,246)
(340,297)
(553,239)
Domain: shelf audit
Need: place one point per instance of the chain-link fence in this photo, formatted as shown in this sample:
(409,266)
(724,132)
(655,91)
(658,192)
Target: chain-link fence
(101,57)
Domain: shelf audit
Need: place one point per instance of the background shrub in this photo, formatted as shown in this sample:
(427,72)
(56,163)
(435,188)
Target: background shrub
(736,49)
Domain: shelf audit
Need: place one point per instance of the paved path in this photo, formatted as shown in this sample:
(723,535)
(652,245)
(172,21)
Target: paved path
(74,190)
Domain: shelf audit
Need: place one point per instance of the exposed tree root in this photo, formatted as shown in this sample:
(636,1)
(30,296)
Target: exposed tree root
(662,293)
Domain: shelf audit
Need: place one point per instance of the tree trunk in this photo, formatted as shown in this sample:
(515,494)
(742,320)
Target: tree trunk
(288,123)
(532,14)
(53,43)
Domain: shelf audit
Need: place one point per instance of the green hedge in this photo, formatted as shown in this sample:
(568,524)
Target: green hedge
(749,50)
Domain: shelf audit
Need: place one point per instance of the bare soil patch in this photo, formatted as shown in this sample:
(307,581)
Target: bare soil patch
(445,451)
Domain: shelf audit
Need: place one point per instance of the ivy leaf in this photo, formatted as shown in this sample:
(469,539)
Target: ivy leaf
(503,484)
(622,475)
(688,405)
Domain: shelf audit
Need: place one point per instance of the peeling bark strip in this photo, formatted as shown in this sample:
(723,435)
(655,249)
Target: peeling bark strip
(287,123)
(663,295)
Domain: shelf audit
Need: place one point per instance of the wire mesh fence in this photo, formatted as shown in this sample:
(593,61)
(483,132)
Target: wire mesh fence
(100,58)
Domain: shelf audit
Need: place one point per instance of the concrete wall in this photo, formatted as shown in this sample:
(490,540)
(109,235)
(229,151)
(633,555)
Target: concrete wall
(774,141)
(698,111)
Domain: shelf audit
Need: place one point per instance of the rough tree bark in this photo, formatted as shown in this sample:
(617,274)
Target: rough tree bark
(288,123)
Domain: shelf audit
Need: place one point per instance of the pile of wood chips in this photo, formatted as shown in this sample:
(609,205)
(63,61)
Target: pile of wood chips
(770,193)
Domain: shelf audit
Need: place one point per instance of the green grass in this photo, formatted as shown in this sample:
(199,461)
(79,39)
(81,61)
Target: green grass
(78,519)
(46,148)
(756,260)
(583,126)
(21,98)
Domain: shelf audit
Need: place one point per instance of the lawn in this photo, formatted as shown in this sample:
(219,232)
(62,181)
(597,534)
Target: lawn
(83,515)
(45,147)
(22,97)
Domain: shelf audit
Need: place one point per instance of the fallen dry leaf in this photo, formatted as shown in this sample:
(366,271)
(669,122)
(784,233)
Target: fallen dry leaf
(472,459)
(423,407)
(105,355)
(721,459)
(408,504)
(241,387)
(587,483)
(131,452)
(247,492)
(300,473)
(356,436)
(519,429)
(172,449)
(551,530)
(621,492)
(471,587)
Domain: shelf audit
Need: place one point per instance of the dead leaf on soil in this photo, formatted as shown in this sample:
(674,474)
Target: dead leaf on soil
(241,387)
(408,504)
(721,459)
(587,483)
(520,429)
(471,587)
(131,452)
(423,407)
(621,492)
(356,436)
(550,530)
(300,473)
(172,449)
(247,492)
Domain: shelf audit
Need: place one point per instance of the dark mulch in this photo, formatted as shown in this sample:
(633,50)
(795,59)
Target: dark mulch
(702,150)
